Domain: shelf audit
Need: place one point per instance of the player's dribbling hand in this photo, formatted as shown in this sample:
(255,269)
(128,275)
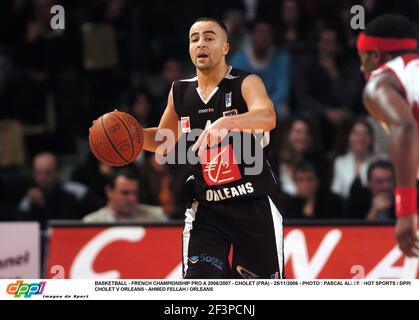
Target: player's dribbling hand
(406,235)
(211,136)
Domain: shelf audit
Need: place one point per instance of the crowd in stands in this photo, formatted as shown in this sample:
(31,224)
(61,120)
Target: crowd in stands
(330,157)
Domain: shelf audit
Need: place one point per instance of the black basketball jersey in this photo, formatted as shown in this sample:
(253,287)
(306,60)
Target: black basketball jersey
(224,172)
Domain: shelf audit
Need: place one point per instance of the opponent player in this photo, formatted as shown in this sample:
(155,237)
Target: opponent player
(390,63)
(232,207)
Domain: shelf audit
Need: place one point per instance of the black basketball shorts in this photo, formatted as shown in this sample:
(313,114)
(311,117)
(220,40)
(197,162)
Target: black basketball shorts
(250,227)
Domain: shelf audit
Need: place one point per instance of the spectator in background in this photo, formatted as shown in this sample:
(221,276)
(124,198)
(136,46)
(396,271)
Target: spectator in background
(122,206)
(93,174)
(311,201)
(141,106)
(161,84)
(300,144)
(49,84)
(161,185)
(235,21)
(350,169)
(376,202)
(291,27)
(47,198)
(144,109)
(262,57)
(326,84)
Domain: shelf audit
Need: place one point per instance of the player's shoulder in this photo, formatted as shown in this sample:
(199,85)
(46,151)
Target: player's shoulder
(242,76)
(192,78)
(384,80)
(236,73)
(183,83)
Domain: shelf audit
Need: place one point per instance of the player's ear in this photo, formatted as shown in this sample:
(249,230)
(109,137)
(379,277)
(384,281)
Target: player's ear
(376,56)
(226,48)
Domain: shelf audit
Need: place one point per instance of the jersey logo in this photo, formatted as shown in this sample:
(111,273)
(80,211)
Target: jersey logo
(228,100)
(230,113)
(194,259)
(220,166)
(185,123)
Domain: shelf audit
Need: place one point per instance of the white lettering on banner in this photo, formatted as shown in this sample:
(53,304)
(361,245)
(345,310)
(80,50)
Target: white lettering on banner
(82,266)
(19,255)
(386,268)
(296,250)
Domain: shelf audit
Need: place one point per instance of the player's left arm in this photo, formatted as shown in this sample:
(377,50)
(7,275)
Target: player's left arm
(383,99)
(260,115)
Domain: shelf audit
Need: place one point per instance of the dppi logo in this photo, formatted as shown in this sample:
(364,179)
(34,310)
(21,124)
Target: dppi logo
(27,290)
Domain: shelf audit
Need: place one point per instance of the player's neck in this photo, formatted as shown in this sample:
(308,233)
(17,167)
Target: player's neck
(210,78)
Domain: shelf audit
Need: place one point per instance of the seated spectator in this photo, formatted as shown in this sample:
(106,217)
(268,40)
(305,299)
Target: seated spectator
(327,84)
(122,206)
(260,56)
(235,21)
(47,198)
(292,26)
(354,163)
(141,107)
(311,201)
(93,174)
(376,202)
(300,144)
(161,185)
(159,85)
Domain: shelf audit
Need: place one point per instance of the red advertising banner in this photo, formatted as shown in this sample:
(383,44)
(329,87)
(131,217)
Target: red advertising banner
(311,252)
(325,252)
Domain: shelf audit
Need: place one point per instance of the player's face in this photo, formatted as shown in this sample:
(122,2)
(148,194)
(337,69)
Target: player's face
(207,44)
(369,62)
(123,198)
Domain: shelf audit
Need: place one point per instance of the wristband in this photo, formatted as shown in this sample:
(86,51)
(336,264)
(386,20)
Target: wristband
(406,201)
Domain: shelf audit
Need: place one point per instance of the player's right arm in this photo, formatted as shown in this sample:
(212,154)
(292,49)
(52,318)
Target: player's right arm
(155,136)
(383,99)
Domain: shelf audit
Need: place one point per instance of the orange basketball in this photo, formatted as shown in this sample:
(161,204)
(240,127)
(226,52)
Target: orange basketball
(116,138)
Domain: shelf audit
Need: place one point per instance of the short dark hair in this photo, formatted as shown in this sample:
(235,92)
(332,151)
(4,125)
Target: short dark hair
(391,26)
(124,172)
(216,20)
(258,21)
(305,167)
(379,164)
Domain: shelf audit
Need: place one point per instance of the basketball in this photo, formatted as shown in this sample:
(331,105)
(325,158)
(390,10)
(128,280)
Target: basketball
(116,138)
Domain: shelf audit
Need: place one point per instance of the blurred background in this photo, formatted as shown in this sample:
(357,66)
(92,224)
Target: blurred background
(329,156)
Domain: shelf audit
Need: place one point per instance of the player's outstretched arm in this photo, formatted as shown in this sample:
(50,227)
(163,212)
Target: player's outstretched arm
(261,115)
(168,124)
(384,101)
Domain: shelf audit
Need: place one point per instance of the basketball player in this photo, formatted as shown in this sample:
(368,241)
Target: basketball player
(390,63)
(231,208)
